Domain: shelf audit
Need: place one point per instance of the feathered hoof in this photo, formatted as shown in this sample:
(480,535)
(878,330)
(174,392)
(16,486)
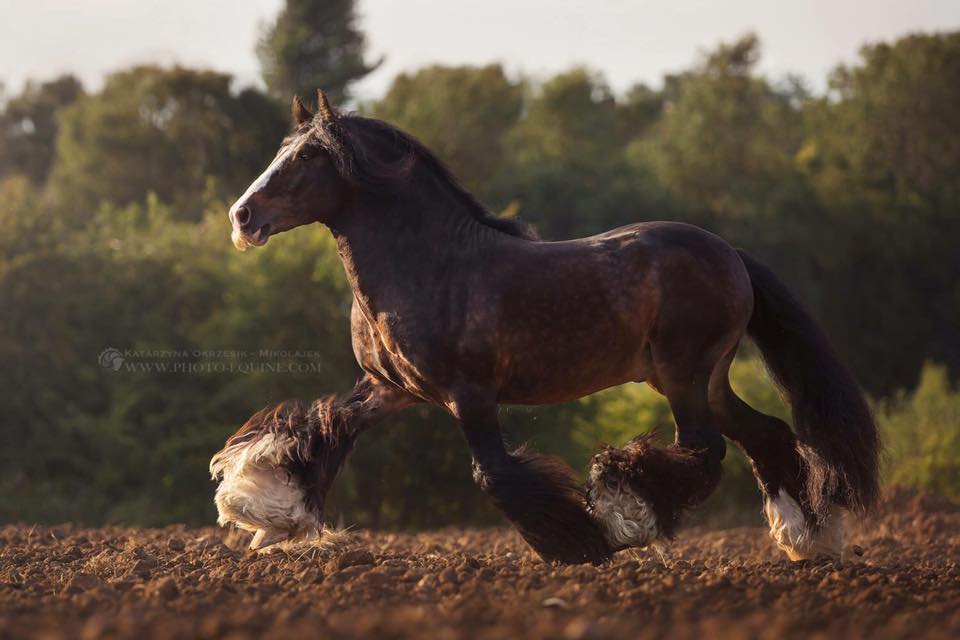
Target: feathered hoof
(638,493)
(627,519)
(258,490)
(797,537)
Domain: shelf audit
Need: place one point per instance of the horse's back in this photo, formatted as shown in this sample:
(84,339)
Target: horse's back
(660,235)
(672,249)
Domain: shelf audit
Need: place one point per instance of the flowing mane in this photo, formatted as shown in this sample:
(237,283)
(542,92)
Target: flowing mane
(372,153)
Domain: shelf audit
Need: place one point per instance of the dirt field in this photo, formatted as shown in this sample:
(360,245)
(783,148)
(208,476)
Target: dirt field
(173,583)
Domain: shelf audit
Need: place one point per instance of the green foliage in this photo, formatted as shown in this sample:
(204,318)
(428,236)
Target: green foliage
(565,168)
(898,117)
(179,133)
(727,142)
(313,44)
(28,126)
(921,434)
(882,155)
(461,113)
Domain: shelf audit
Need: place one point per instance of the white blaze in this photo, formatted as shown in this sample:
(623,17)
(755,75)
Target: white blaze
(239,241)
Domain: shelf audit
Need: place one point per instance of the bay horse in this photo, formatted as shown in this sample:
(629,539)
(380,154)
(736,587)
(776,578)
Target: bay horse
(464,310)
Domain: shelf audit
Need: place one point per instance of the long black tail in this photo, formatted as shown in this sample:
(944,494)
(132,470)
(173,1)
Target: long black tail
(837,436)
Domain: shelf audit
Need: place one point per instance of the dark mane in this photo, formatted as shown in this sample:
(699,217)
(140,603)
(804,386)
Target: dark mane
(370,152)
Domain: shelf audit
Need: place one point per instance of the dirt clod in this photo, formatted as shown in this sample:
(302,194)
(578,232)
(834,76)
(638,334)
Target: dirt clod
(351,558)
(83,582)
(163,589)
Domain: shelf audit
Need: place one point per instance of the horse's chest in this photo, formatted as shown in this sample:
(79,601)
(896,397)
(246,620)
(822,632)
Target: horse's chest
(385,350)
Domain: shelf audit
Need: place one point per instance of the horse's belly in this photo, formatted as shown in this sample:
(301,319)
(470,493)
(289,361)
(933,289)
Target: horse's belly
(573,373)
(565,391)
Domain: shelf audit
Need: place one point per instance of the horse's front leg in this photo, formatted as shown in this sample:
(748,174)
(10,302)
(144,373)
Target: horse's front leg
(539,494)
(275,471)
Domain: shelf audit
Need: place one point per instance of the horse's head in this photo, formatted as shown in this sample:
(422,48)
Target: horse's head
(331,162)
(276,470)
(301,185)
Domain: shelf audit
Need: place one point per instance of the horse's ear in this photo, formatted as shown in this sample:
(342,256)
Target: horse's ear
(327,113)
(299,112)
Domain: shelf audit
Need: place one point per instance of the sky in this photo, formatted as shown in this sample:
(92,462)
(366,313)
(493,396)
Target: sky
(629,41)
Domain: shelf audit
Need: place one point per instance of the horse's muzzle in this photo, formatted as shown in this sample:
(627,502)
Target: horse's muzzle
(257,238)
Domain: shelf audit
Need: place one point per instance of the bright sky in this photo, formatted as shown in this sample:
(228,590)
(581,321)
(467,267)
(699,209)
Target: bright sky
(629,41)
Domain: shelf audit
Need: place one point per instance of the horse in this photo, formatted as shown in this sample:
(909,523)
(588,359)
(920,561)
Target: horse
(456,307)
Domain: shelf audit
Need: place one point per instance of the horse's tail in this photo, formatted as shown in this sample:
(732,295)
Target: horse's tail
(837,436)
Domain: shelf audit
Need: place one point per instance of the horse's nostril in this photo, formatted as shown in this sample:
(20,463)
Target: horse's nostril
(243,216)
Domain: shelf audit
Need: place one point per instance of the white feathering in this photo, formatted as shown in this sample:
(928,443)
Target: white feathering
(257,494)
(789,529)
(627,519)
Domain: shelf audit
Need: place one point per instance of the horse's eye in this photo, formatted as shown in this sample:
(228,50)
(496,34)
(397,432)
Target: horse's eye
(305,155)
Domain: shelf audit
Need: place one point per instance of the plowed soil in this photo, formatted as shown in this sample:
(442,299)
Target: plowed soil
(70,582)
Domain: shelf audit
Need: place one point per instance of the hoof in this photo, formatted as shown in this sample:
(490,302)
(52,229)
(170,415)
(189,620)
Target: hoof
(626,518)
(264,538)
(258,494)
(793,533)
(638,493)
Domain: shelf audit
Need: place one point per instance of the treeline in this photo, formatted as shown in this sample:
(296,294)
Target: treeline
(113,209)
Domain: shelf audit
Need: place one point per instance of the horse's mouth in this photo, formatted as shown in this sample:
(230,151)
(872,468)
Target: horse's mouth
(258,238)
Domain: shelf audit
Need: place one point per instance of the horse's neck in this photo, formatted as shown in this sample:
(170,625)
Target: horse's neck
(392,251)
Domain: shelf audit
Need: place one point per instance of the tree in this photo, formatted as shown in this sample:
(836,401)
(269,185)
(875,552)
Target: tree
(890,124)
(313,44)
(565,167)
(726,144)
(461,113)
(28,126)
(883,157)
(179,133)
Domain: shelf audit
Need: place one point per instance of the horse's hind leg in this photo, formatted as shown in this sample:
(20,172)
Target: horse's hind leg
(772,449)
(539,494)
(639,492)
(698,450)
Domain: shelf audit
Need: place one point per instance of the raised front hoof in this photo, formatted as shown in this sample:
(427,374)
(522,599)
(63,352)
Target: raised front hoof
(797,536)
(258,493)
(269,504)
